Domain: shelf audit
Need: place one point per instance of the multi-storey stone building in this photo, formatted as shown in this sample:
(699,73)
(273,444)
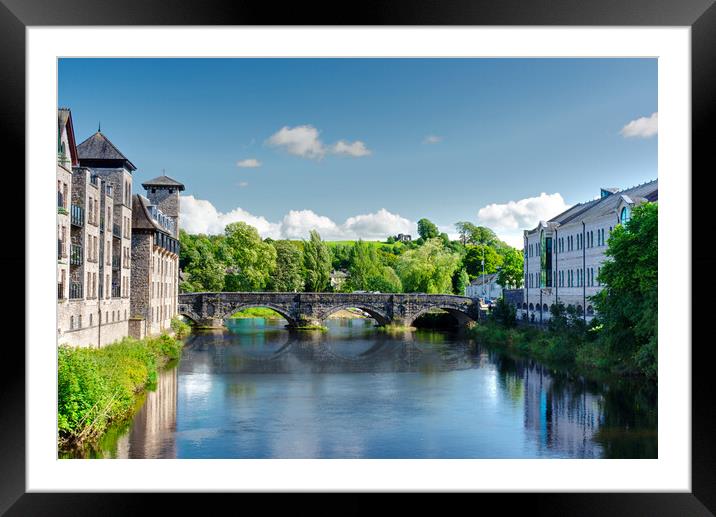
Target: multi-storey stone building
(94,256)
(117,254)
(563,256)
(155,255)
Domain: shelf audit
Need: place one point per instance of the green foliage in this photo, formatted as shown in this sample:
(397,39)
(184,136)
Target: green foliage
(511,273)
(461,280)
(288,275)
(428,269)
(367,271)
(98,386)
(473,260)
(257,312)
(317,263)
(627,306)
(504,313)
(250,259)
(477,235)
(181,328)
(427,230)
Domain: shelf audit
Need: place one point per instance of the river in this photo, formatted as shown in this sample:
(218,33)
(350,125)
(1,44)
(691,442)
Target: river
(355,391)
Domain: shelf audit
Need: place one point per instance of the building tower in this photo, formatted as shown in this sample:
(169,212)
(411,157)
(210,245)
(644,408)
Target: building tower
(163,192)
(155,253)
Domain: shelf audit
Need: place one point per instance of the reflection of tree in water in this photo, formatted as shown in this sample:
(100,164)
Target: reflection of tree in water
(583,418)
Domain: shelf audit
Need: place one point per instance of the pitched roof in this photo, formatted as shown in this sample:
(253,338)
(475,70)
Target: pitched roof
(64,118)
(163,181)
(485,279)
(648,191)
(99,147)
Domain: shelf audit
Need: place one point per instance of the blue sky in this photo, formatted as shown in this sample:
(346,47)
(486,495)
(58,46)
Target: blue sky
(361,147)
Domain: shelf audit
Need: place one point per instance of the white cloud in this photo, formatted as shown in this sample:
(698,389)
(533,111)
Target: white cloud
(356,149)
(643,127)
(300,140)
(432,139)
(509,219)
(200,216)
(304,141)
(243,184)
(249,163)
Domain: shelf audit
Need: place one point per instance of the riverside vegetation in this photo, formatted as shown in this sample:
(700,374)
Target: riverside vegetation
(622,338)
(98,387)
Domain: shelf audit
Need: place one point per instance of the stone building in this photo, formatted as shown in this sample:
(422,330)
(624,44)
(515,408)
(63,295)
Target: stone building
(155,255)
(94,231)
(563,256)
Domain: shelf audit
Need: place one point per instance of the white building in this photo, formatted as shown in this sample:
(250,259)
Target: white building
(484,286)
(563,256)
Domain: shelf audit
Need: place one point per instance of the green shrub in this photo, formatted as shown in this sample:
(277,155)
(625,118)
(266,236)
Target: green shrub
(181,328)
(98,386)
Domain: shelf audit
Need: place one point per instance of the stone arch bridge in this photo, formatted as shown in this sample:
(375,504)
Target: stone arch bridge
(308,309)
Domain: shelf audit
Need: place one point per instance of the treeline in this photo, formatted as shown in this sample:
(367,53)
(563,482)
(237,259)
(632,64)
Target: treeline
(623,337)
(239,260)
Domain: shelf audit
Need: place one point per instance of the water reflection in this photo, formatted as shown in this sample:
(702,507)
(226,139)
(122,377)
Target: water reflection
(260,391)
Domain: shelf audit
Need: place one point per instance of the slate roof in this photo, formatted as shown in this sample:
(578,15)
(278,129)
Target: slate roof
(163,181)
(99,147)
(648,191)
(484,279)
(141,220)
(64,118)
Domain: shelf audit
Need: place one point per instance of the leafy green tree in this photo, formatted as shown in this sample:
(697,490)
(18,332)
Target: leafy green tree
(317,263)
(427,229)
(474,256)
(287,277)
(473,234)
(428,269)
(368,272)
(461,280)
(627,307)
(511,273)
(250,260)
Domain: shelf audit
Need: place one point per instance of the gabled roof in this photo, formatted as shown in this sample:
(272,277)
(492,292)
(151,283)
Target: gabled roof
(485,279)
(163,181)
(99,148)
(648,191)
(141,218)
(64,119)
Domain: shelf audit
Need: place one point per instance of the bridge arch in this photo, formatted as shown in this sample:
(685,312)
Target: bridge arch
(378,315)
(462,316)
(234,308)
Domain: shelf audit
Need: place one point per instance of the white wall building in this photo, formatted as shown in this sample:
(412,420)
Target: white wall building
(484,286)
(563,256)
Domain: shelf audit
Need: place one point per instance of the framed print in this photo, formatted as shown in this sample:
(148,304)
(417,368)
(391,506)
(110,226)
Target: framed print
(416,253)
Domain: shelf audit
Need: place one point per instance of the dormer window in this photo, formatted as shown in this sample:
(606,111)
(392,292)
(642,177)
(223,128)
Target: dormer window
(624,215)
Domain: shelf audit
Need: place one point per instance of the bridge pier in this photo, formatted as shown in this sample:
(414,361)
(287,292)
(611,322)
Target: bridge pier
(211,323)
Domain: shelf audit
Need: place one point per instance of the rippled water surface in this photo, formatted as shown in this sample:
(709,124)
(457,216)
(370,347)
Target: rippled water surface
(260,391)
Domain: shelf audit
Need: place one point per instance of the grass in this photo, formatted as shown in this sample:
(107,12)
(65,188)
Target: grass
(257,312)
(98,387)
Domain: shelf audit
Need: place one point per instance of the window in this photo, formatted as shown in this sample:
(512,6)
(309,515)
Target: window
(90,320)
(79,321)
(624,216)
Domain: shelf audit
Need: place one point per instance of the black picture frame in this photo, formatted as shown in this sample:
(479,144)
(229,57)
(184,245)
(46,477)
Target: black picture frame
(700,15)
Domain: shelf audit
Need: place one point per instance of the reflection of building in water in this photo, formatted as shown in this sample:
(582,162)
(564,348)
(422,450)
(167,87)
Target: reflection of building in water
(561,419)
(153,428)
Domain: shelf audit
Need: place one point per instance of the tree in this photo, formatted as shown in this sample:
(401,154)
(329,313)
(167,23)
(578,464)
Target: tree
(287,277)
(461,280)
(511,273)
(474,257)
(627,307)
(368,272)
(200,267)
(250,260)
(427,230)
(473,234)
(428,269)
(317,263)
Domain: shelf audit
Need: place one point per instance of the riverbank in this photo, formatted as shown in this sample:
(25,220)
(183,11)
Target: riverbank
(571,351)
(99,387)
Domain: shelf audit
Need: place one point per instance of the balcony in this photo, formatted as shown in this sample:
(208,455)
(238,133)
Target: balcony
(61,249)
(75,290)
(77,215)
(60,291)
(116,231)
(116,291)
(76,255)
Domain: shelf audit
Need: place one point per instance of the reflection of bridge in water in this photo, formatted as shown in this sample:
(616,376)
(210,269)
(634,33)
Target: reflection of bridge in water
(307,309)
(318,352)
